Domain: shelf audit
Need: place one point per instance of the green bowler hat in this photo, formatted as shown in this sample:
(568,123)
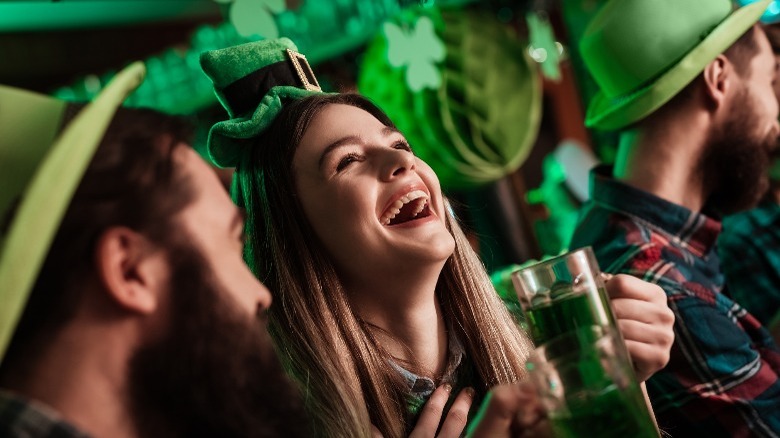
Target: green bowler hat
(252,81)
(643,52)
(39,173)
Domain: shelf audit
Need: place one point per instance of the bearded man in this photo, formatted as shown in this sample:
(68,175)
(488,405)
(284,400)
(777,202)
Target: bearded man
(689,85)
(127,309)
(749,246)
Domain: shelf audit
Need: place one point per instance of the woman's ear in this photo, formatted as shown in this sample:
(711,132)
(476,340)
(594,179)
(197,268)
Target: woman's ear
(131,269)
(719,79)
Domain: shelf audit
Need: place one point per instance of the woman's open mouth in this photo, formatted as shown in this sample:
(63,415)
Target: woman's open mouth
(409,207)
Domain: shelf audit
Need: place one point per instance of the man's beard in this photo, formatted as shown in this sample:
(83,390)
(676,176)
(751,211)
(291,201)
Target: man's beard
(736,161)
(215,374)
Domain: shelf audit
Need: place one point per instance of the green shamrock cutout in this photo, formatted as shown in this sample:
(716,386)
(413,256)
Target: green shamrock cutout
(255,17)
(418,50)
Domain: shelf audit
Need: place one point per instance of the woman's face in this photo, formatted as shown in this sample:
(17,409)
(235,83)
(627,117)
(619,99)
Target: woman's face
(375,206)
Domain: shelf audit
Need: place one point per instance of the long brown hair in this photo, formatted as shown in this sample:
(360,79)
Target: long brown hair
(346,379)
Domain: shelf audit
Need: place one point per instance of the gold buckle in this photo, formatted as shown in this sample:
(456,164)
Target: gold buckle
(305,73)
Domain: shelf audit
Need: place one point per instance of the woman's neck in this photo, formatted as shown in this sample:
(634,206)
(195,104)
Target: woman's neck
(409,322)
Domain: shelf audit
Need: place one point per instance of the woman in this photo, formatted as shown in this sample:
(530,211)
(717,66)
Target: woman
(379,297)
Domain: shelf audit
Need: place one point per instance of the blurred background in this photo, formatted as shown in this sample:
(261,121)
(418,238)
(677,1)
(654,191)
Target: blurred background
(491,93)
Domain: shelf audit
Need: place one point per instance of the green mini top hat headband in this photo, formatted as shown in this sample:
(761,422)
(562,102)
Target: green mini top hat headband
(38,177)
(643,52)
(252,81)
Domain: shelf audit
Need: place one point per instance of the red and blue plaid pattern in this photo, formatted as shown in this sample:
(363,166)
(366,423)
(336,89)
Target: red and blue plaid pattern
(722,378)
(749,249)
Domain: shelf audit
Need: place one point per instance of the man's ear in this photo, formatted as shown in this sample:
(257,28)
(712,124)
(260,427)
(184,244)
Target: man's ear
(719,79)
(131,269)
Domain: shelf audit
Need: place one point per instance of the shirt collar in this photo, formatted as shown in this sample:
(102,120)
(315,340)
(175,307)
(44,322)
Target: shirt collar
(421,386)
(695,231)
(25,417)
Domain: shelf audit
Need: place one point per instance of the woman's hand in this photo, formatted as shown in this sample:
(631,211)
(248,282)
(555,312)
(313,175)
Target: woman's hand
(432,411)
(510,411)
(645,321)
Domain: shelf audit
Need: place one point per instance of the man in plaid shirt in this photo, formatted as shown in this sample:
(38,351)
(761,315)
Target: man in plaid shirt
(698,119)
(750,244)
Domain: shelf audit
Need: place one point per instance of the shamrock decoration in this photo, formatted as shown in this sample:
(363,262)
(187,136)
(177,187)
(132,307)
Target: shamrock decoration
(255,17)
(418,50)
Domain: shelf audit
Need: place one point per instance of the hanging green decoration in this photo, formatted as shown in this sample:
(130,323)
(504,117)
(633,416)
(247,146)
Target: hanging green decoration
(479,124)
(417,50)
(322,29)
(543,48)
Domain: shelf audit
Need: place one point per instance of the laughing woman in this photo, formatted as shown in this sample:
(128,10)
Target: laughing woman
(380,302)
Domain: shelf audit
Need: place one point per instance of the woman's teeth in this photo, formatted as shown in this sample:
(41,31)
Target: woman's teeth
(417,196)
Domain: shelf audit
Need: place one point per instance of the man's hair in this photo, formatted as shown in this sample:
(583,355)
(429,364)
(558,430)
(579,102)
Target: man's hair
(132,182)
(773,34)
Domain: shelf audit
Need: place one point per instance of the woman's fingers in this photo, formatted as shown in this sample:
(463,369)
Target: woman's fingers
(458,415)
(432,412)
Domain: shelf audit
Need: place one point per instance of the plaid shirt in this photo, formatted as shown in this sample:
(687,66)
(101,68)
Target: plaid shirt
(22,418)
(722,378)
(749,248)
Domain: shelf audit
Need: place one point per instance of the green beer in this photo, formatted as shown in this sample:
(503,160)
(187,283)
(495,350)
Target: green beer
(608,413)
(565,313)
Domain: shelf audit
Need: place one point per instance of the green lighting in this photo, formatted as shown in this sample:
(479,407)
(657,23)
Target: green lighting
(321,29)
(25,16)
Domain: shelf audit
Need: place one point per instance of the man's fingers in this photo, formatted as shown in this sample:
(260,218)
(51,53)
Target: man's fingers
(506,411)
(642,311)
(627,286)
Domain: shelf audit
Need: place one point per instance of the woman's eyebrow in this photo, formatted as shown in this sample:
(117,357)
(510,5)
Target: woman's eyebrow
(389,130)
(344,141)
(352,139)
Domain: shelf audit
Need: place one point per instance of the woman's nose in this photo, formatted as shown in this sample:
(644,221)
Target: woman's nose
(396,163)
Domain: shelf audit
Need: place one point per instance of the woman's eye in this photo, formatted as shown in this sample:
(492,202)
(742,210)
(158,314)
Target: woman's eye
(346,161)
(402,145)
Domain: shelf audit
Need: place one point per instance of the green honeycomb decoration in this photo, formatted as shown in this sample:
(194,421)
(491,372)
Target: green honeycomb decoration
(481,122)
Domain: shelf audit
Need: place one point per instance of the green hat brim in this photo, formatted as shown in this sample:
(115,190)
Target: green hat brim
(224,150)
(47,196)
(611,114)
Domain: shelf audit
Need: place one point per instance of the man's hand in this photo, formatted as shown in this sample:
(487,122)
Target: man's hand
(645,321)
(510,411)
